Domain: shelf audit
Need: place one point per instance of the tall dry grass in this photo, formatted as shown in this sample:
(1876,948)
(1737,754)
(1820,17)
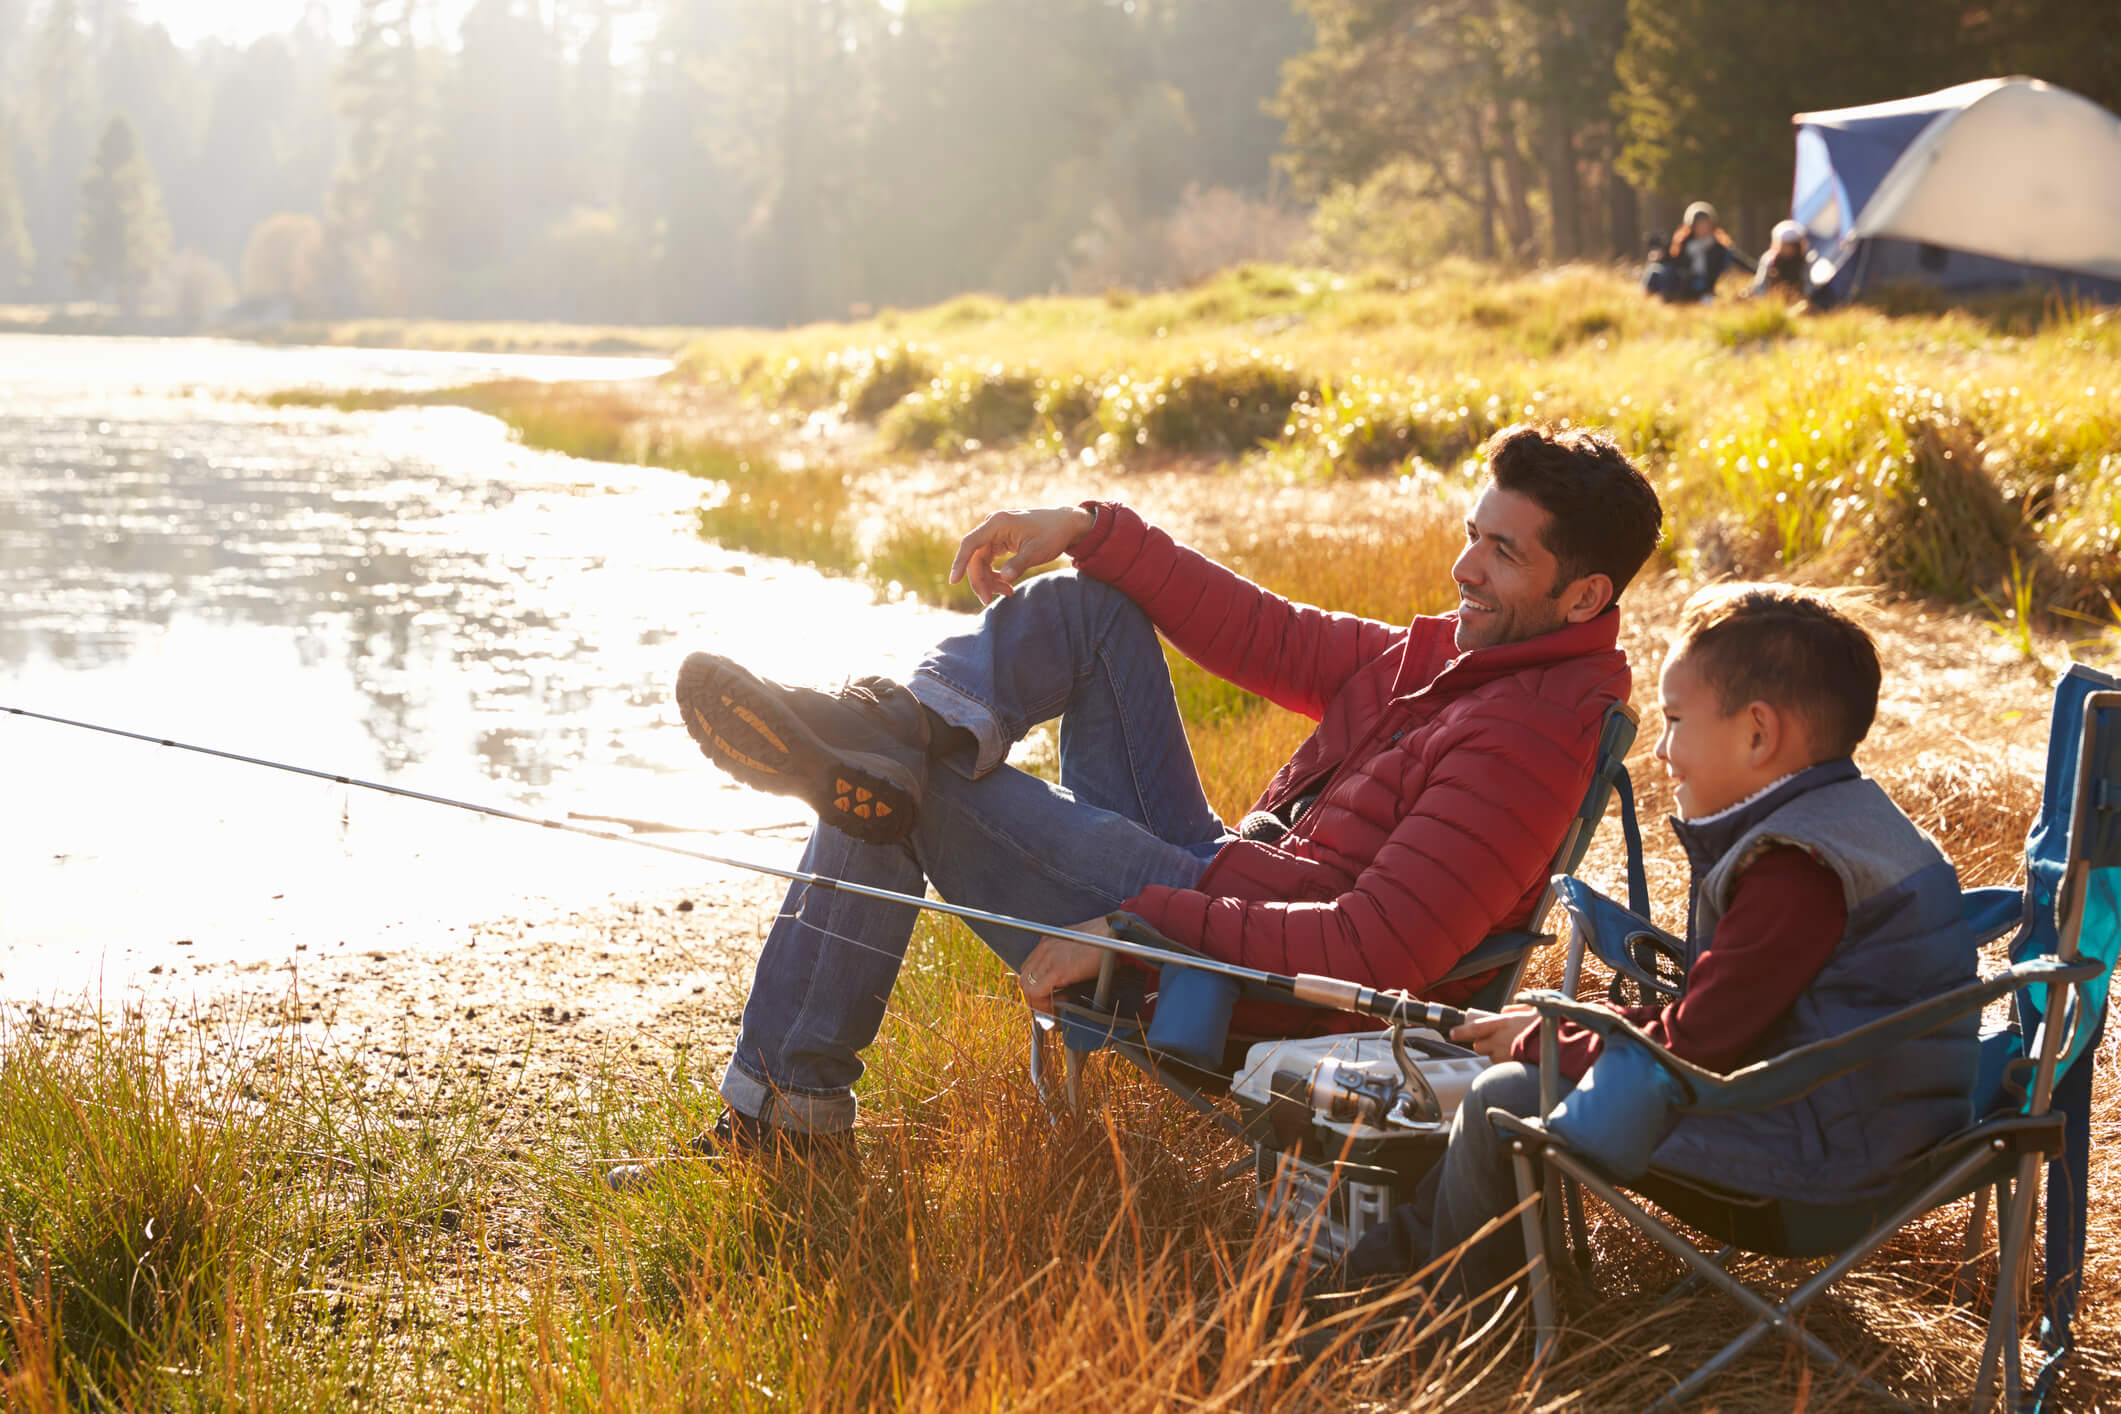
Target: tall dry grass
(986,1259)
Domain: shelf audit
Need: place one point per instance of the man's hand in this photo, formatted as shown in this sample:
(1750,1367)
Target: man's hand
(1493,1034)
(1060,962)
(1028,538)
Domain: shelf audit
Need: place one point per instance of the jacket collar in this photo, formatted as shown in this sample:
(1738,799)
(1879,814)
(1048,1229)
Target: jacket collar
(1707,841)
(1599,634)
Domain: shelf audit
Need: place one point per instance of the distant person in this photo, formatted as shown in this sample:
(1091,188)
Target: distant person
(1699,252)
(1660,276)
(1786,269)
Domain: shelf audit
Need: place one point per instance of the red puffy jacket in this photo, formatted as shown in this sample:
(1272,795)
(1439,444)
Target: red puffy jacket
(1448,778)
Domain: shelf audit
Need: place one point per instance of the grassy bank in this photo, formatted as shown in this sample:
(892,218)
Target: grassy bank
(1923,451)
(985,1259)
(465,336)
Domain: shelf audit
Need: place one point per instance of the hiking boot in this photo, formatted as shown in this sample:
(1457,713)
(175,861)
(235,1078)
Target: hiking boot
(858,756)
(737,1135)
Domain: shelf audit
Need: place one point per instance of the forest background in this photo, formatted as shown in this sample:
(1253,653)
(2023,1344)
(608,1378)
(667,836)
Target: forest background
(778,161)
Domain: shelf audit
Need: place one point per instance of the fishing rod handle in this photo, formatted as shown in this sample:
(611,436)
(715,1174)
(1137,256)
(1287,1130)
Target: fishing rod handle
(1393,1007)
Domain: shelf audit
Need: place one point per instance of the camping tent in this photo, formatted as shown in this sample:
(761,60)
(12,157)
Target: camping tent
(1992,184)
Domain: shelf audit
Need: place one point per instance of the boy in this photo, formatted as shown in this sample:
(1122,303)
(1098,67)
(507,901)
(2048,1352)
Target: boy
(1815,906)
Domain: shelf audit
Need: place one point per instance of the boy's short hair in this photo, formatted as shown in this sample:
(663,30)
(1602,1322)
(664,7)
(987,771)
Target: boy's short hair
(1790,649)
(1603,516)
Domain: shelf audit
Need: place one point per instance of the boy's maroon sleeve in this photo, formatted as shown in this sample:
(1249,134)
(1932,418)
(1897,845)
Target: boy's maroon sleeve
(1786,915)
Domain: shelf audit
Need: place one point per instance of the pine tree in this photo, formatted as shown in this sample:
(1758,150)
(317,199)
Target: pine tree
(371,210)
(55,105)
(123,233)
(1709,87)
(498,173)
(18,257)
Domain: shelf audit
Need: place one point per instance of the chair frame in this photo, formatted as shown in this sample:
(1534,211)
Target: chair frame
(2001,1153)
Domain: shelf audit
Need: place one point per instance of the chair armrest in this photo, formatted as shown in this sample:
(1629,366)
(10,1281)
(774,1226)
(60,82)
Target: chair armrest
(1608,929)
(1494,951)
(1992,912)
(1793,1074)
(1133,928)
(1607,1024)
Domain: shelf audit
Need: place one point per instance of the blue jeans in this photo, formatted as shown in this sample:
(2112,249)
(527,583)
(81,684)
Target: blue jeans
(1473,1185)
(1128,812)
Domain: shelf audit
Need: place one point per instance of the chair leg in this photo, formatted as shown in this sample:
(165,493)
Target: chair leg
(1042,1072)
(2013,1227)
(1781,1316)
(1579,1227)
(1537,1273)
(1970,1250)
(1685,1285)
(1072,1068)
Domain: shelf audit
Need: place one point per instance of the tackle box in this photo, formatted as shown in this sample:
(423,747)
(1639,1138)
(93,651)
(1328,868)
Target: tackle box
(1343,1176)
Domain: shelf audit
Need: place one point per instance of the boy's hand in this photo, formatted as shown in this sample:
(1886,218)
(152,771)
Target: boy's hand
(1494,1034)
(1029,538)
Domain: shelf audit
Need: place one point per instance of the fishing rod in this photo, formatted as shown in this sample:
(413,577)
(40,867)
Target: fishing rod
(1393,1007)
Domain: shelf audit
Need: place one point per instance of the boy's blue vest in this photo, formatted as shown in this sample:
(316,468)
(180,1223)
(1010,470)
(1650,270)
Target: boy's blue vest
(1905,942)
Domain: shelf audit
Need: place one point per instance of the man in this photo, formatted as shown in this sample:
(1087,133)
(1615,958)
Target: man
(1421,815)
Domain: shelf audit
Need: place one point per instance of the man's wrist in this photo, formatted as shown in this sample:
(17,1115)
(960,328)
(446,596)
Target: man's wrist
(1088,516)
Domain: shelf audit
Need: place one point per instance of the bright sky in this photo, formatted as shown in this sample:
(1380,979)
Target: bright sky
(189,21)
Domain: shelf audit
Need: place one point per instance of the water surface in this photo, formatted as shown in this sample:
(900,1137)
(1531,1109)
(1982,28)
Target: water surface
(406,595)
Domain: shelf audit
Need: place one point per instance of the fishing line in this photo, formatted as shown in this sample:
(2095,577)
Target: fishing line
(1391,1006)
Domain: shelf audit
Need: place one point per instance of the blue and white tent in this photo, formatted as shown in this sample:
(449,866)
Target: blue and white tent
(1987,185)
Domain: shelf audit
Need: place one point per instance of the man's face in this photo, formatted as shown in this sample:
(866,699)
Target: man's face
(1506,575)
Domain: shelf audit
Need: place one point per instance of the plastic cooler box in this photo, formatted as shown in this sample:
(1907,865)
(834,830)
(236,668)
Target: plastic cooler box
(1343,1177)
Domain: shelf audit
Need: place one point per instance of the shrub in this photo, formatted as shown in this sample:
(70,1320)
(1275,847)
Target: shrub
(1390,221)
(878,378)
(798,514)
(1215,407)
(964,409)
(1361,425)
(916,560)
(1758,321)
(1066,410)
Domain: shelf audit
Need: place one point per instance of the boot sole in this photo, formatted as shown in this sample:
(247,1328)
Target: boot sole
(740,724)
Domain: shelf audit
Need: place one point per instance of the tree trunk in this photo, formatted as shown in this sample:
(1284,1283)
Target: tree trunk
(1564,190)
(1517,211)
(1487,189)
(1624,212)
(1662,213)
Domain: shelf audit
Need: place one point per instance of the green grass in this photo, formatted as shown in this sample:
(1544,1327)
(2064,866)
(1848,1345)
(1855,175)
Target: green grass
(1918,449)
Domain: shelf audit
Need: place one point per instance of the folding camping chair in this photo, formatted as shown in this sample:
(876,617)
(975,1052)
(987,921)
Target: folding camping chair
(2032,1101)
(1107,1014)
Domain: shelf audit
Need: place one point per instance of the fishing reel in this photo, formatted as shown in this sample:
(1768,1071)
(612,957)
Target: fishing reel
(1348,1093)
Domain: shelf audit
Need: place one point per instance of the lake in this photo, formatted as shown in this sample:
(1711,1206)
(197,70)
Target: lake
(407,595)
